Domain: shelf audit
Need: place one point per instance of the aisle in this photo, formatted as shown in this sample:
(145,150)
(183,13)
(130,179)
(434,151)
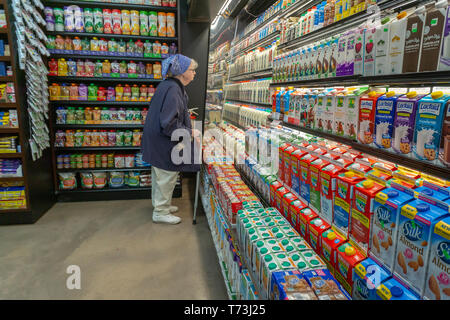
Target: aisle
(121,253)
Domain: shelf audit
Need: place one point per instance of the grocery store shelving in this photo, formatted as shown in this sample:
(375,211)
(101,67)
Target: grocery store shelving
(64,149)
(8,105)
(11,179)
(252,75)
(110,5)
(99,126)
(102,79)
(379,153)
(100,103)
(5,58)
(261,43)
(109,35)
(9,130)
(76,55)
(252,103)
(104,169)
(12,155)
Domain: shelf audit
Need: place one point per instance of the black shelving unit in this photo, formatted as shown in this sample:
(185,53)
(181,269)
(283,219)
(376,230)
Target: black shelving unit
(252,75)
(105,169)
(81,149)
(266,105)
(99,103)
(107,5)
(105,57)
(103,79)
(110,36)
(99,126)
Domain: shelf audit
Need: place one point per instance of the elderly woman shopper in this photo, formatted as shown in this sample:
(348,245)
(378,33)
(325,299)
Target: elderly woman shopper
(168,112)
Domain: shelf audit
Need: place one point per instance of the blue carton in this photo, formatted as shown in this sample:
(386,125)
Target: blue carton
(325,286)
(367,276)
(435,194)
(290,285)
(391,289)
(384,120)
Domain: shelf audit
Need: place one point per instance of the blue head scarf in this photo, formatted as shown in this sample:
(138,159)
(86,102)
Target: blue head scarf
(177,64)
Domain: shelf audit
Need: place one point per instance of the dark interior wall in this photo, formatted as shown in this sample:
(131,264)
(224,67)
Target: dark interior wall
(194,44)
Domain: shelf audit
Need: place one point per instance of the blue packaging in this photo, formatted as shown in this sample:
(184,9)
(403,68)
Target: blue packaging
(391,289)
(429,192)
(325,286)
(384,120)
(290,285)
(367,276)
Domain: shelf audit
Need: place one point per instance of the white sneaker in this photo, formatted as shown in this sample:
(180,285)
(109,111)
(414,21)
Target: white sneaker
(166,218)
(173,209)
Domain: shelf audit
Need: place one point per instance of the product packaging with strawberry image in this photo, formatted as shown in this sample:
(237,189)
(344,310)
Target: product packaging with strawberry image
(331,241)
(366,123)
(347,259)
(359,51)
(417,221)
(437,285)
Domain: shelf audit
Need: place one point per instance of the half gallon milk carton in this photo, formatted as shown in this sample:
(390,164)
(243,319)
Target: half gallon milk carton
(340,119)
(367,109)
(384,120)
(432,36)
(391,289)
(359,50)
(388,204)
(444,152)
(404,122)
(437,286)
(369,51)
(382,47)
(397,37)
(341,61)
(428,128)
(417,221)
(351,107)
(367,276)
(413,40)
(444,63)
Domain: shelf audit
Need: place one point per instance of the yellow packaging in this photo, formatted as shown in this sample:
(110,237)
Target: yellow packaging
(171,25)
(162,24)
(126,23)
(134,20)
(62,67)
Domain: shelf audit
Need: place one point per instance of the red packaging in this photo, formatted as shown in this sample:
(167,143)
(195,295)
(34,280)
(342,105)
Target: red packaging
(279,198)
(281,160)
(287,165)
(273,189)
(288,198)
(362,211)
(316,228)
(101,94)
(294,212)
(347,258)
(304,174)
(306,215)
(53,67)
(295,169)
(331,241)
(327,184)
(315,168)
(367,108)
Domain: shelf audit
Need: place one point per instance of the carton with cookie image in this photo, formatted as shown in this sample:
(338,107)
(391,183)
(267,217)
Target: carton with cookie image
(366,124)
(437,285)
(417,221)
(428,128)
(385,222)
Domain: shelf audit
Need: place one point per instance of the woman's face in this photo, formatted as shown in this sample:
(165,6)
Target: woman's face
(189,75)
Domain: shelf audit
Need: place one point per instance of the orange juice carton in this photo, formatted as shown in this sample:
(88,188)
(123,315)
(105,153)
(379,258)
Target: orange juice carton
(306,215)
(438,274)
(367,277)
(428,128)
(315,170)
(295,169)
(347,259)
(290,285)
(279,198)
(281,149)
(273,192)
(343,198)
(362,211)
(287,165)
(304,177)
(316,228)
(286,201)
(294,212)
(366,119)
(404,122)
(351,109)
(391,289)
(327,182)
(417,221)
(330,242)
(384,119)
(325,285)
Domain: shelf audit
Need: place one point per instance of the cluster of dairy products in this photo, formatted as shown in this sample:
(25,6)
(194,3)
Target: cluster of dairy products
(256,91)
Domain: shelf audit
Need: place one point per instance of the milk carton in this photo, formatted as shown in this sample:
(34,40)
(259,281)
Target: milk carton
(397,37)
(428,127)
(331,241)
(316,228)
(341,60)
(433,35)
(295,169)
(359,51)
(313,261)
(384,120)
(444,62)
(404,122)
(349,68)
(312,103)
(382,46)
(287,165)
(367,276)
(444,151)
(391,289)
(305,216)
(387,206)
(319,110)
(417,221)
(305,184)
(369,51)
(347,259)
(340,119)
(315,170)
(413,40)
(351,109)
(438,274)
(367,109)
(269,265)
(328,176)
(333,57)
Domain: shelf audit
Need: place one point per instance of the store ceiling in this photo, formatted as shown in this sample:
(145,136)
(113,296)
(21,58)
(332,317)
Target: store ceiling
(203,10)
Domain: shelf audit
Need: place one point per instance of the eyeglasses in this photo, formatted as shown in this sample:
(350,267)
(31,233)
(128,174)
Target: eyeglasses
(192,70)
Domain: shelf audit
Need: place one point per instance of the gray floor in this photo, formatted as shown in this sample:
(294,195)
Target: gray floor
(120,252)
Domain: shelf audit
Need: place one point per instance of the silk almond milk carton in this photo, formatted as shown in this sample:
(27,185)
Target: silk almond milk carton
(417,221)
(437,286)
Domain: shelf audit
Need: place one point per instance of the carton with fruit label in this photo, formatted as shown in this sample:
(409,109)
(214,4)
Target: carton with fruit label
(437,285)
(359,51)
(362,212)
(331,241)
(416,225)
(306,215)
(316,228)
(387,206)
(347,259)
(367,277)
(369,51)
(281,162)
(315,169)
(391,289)
(305,185)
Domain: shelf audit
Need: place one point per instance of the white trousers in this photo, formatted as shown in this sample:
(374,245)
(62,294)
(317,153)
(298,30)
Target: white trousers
(163,184)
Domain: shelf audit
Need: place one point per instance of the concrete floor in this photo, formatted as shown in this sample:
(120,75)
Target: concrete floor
(120,252)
